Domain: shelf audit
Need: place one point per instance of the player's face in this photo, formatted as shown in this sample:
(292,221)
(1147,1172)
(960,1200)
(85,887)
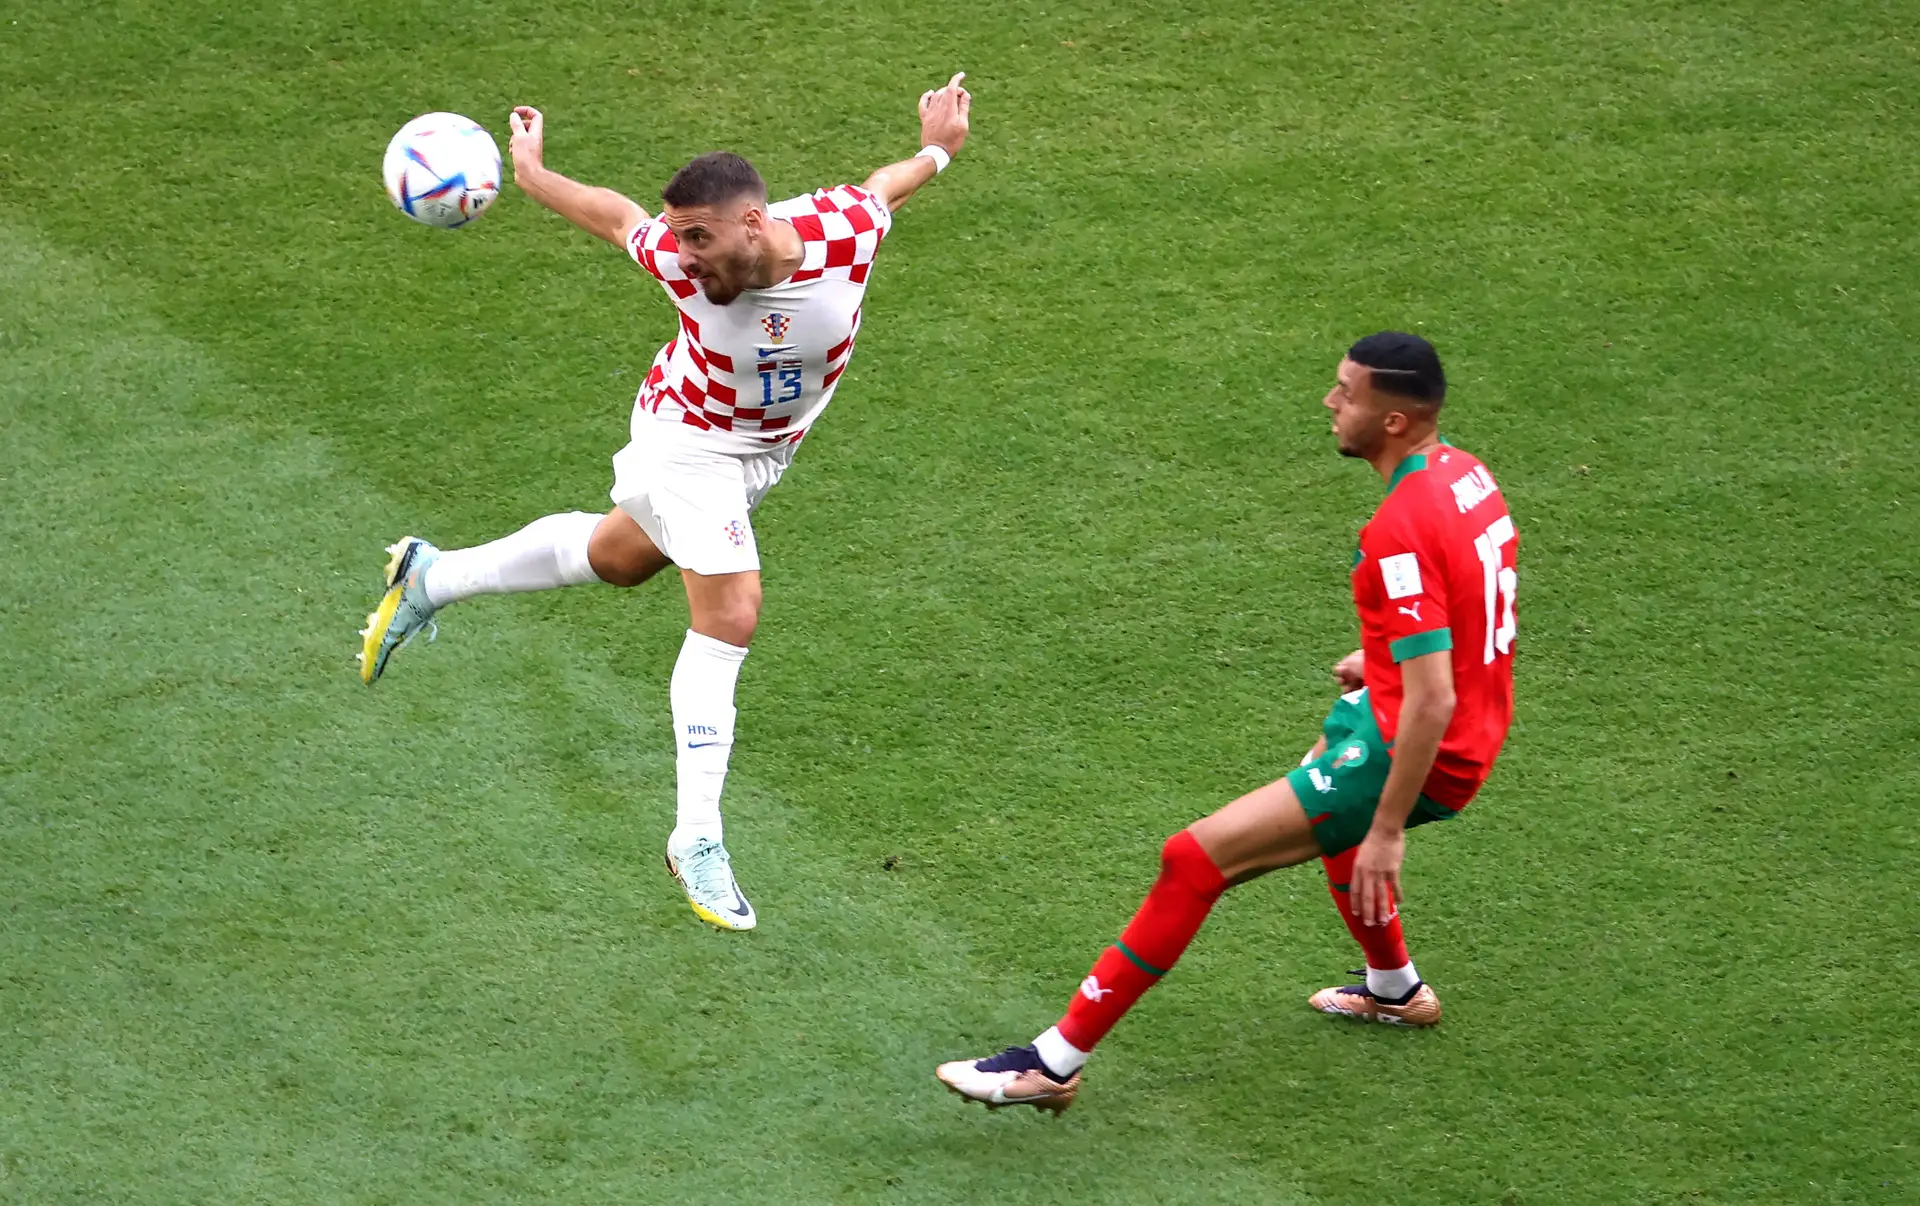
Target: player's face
(1358,424)
(720,245)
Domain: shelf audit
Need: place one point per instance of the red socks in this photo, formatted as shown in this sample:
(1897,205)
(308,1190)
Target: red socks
(1386,948)
(1171,915)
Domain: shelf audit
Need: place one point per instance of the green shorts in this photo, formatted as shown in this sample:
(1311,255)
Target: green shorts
(1341,788)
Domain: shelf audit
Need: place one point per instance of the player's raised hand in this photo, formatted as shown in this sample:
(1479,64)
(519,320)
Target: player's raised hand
(528,144)
(601,212)
(943,115)
(1375,887)
(943,130)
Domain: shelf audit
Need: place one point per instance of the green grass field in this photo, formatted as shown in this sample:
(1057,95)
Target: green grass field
(1063,568)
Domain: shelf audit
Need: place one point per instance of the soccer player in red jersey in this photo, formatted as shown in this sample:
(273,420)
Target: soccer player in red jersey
(1430,697)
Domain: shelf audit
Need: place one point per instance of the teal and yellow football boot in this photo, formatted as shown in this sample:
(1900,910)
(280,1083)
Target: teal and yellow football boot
(404,611)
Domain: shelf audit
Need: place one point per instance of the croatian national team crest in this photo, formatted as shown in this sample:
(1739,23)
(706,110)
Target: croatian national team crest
(737,532)
(777,325)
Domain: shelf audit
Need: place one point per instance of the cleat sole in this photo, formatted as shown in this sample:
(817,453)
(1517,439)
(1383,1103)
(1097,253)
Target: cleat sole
(1428,1013)
(371,663)
(1051,1105)
(381,618)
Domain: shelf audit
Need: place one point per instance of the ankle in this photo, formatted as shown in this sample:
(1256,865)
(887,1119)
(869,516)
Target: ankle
(1061,1058)
(1396,985)
(684,836)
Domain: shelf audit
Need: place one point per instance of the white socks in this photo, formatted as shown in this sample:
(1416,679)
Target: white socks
(1062,1058)
(547,553)
(1394,984)
(702,694)
(552,552)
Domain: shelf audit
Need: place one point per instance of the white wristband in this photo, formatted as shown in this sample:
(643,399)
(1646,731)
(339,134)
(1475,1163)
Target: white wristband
(939,156)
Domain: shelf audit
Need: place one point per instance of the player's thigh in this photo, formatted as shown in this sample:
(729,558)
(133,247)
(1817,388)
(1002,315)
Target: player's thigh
(1261,831)
(621,552)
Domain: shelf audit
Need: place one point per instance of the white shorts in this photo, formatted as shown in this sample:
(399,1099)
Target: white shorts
(691,499)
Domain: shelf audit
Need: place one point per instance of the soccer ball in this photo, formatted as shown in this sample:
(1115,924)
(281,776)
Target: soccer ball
(443,169)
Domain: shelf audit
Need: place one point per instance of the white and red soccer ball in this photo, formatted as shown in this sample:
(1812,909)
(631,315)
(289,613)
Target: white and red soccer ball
(443,169)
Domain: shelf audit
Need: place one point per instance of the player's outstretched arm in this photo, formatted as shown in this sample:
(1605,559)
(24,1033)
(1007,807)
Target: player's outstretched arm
(1426,709)
(600,212)
(943,127)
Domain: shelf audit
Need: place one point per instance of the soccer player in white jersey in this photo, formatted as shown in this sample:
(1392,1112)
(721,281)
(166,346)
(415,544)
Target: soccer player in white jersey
(769,305)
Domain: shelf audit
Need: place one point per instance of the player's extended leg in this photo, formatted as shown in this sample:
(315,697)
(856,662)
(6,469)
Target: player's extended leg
(725,610)
(569,549)
(1262,830)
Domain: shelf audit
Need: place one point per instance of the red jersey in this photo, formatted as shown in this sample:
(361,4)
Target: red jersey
(1436,571)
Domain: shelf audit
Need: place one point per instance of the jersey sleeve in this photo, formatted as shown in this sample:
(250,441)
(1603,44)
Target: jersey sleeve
(1413,588)
(865,210)
(653,247)
(843,227)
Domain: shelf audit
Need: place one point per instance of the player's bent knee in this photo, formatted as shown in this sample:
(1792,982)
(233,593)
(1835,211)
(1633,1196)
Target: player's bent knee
(740,623)
(620,552)
(617,572)
(1185,861)
(631,573)
(1259,832)
(732,619)
(1171,848)
(744,610)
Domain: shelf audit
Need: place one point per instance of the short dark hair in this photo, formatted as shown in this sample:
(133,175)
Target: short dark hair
(1404,365)
(714,179)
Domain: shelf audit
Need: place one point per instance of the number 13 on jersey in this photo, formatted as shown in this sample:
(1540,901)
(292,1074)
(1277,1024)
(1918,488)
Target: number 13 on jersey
(780,381)
(1502,582)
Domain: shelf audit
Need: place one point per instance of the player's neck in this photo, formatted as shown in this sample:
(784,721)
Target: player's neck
(1398,452)
(785,252)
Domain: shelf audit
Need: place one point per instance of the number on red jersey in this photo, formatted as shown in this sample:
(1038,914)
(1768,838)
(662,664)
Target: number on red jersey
(1502,583)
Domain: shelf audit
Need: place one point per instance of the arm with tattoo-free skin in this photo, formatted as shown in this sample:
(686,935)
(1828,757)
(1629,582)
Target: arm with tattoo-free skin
(1426,709)
(600,212)
(943,124)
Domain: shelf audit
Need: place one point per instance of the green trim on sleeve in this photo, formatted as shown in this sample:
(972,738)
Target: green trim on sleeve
(1421,643)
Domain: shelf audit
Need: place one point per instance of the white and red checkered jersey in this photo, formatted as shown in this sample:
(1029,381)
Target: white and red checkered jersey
(755,373)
